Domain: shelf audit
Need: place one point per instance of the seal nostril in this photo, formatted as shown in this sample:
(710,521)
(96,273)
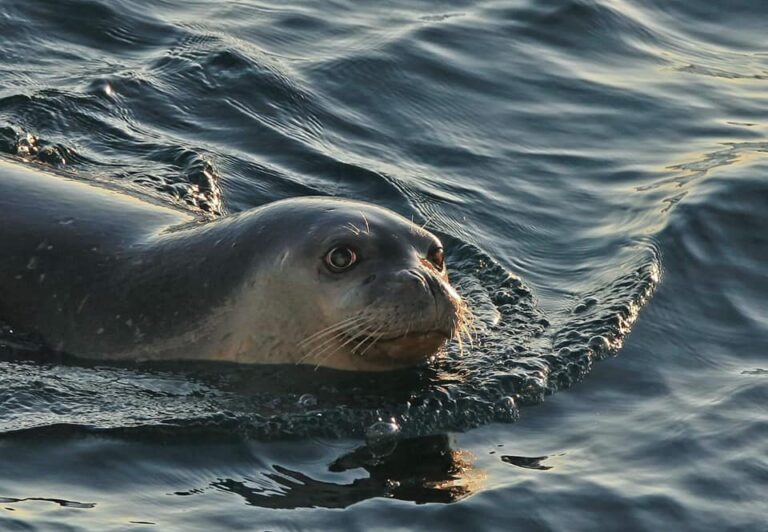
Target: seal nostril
(370,279)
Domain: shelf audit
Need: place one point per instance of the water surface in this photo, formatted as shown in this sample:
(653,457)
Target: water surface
(597,169)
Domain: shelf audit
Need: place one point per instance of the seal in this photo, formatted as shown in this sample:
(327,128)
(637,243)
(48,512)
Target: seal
(101,273)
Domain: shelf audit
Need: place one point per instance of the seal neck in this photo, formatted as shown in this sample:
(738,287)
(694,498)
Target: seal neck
(174,290)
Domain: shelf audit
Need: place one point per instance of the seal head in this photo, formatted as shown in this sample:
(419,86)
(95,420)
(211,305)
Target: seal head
(358,287)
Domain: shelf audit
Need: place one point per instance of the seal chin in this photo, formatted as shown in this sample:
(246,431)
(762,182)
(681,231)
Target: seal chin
(407,350)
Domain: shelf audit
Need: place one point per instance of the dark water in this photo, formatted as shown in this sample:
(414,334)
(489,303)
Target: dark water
(595,167)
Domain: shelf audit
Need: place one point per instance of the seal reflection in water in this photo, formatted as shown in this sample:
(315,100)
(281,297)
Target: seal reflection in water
(100,273)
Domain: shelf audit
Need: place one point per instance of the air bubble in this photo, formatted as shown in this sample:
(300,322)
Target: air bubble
(506,410)
(599,344)
(382,437)
(307,401)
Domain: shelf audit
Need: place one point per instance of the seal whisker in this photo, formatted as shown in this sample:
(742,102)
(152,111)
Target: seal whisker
(351,329)
(463,335)
(465,332)
(367,227)
(328,330)
(321,347)
(327,336)
(373,342)
(372,335)
(325,344)
(328,342)
(366,338)
(352,227)
(463,326)
(334,351)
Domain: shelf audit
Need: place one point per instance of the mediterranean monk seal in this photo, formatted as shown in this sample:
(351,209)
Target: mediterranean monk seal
(103,274)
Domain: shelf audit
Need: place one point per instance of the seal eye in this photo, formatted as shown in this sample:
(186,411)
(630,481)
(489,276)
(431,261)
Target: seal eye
(436,256)
(340,258)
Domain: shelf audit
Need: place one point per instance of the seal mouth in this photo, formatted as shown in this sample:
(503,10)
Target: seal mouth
(417,335)
(404,349)
(411,335)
